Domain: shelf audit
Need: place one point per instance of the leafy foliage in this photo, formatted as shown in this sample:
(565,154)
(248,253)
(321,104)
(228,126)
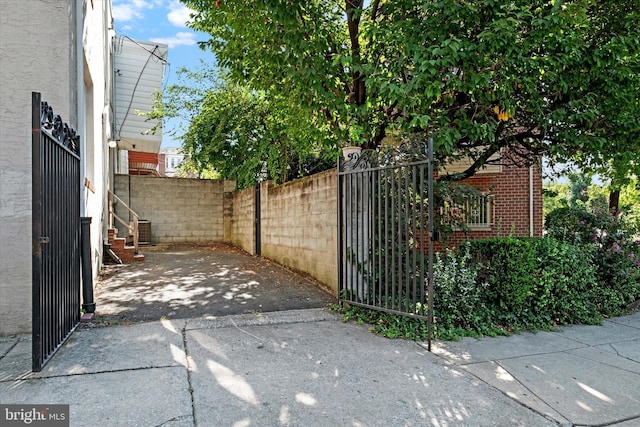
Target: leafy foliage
(534,283)
(593,197)
(630,203)
(557,78)
(242,134)
(616,252)
(385,324)
(477,292)
(458,300)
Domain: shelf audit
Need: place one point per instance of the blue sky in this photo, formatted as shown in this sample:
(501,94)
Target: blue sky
(162,21)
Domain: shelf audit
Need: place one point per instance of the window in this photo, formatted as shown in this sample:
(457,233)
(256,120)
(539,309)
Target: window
(475,212)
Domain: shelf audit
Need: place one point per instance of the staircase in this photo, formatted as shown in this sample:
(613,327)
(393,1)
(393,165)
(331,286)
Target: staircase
(117,249)
(123,252)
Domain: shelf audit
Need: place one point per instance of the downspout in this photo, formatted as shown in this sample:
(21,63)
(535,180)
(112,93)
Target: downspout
(80,102)
(531,201)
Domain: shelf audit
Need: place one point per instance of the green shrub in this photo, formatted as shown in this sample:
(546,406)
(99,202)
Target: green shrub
(616,252)
(534,283)
(508,268)
(458,298)
(567,288)
(499,285)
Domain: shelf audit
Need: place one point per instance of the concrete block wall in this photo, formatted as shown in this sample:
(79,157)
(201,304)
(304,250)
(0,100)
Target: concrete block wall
(298,219)
(300,226)
(181,210)
(240,220)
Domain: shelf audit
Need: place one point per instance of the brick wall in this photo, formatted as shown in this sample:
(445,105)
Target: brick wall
(511,204)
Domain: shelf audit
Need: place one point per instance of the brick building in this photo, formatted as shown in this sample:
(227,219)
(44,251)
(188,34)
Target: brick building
(512,206)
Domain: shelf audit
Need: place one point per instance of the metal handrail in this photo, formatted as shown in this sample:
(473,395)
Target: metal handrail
(133,229)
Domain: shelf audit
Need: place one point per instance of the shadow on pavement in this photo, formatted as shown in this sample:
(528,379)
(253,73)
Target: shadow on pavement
(179,282)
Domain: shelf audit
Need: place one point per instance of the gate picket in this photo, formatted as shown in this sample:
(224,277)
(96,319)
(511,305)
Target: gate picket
(56,232)
(385,216)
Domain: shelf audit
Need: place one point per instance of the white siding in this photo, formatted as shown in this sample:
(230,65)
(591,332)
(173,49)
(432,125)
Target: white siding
(138,74)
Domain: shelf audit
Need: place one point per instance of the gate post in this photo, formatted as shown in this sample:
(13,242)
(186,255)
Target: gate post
(87,272)
(431,231)
(257,218)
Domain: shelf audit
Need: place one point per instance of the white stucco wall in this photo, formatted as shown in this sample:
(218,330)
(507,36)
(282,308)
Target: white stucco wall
(36,54)
(38,45)
(97,93)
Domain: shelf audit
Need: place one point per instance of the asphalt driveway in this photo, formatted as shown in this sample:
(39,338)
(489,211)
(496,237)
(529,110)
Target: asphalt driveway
(182,282)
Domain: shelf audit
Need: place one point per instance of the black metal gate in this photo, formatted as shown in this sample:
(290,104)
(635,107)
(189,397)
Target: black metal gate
(56,231)
(386,228)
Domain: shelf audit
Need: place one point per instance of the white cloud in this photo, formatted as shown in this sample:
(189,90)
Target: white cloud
(180,39)
(126,10)
(179,14)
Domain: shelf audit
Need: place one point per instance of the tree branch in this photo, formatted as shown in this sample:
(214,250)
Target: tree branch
(374,9)
(354,10)
(475,166)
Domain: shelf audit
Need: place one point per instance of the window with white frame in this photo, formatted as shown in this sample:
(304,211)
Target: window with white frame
(474,212)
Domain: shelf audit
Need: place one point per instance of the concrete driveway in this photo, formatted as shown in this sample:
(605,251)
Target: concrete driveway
(197,368)
(182,282)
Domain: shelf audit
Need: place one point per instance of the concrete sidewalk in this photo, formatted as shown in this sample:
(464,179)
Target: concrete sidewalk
(307,368)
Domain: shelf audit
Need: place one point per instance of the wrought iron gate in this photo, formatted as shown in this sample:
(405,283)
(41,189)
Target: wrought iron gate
(386,227)
(56,231)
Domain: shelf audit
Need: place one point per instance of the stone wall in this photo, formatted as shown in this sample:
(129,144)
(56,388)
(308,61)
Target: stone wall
(298,219)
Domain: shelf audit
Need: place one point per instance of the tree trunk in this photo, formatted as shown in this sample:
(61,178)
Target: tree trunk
(614,199)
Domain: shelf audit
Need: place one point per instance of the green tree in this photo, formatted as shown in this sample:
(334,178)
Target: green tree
(249,137)
(234,132)
(556,78)
(555,195)
(594,198)
(630,203)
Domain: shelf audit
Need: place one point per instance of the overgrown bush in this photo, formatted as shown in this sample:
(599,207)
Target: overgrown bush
(507,265)
(586,268)
(616,252)
(500,285)
(458,305)
(534,283)
(458,300)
